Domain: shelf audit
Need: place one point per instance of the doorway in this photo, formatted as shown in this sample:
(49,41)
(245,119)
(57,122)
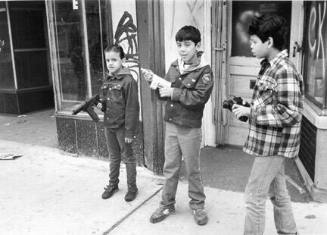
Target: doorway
(240,67)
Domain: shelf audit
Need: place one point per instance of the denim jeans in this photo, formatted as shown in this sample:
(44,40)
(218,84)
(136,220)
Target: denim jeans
(182,142)
(119,150)
(268,173)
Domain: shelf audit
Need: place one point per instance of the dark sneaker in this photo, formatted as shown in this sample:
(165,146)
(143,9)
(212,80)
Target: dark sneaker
(109,190)
(161,213)
(130,195)
(200,216)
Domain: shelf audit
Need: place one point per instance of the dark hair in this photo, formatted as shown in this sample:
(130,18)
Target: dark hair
(188,32)
(115,48)
(274,26)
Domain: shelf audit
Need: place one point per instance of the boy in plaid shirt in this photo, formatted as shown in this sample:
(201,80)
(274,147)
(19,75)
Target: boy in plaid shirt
(274,125)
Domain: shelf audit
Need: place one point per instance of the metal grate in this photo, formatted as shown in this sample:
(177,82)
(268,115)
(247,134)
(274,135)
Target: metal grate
(307,152)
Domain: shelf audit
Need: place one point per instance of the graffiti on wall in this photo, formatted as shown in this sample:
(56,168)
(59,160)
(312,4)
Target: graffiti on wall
(126,36)
(316,50)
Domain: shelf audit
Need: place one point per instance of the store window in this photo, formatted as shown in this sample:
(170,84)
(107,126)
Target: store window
(81,34)
(28,29)
(71,53)
(82,29)
(242,15)
(315,52)
(6,68)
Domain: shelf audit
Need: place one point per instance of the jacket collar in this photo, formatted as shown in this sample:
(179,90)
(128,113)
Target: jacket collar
(120,74)
(197,62)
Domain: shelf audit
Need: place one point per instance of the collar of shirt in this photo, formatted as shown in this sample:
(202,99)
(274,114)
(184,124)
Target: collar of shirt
(280,56)
(197,62)
(120,74)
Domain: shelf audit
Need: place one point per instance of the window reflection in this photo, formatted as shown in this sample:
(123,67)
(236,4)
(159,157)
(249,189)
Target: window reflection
(243,12)
(96,42)
(71,52)
(6,69)
(315,53)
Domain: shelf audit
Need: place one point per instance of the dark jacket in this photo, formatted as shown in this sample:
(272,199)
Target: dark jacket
(192,89)
(122,105)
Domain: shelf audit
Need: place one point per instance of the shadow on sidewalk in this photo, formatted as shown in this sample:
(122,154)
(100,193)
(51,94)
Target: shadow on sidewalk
(228,168)
(225,168)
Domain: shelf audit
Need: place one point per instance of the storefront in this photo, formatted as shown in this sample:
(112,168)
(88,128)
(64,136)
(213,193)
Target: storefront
(25,79)
(236,70)
(78,31)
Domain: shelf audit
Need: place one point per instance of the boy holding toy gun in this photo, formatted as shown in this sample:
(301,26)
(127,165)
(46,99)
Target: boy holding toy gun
(186,88)
(119,93)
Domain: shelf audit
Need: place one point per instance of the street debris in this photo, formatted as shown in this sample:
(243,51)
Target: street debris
(9,156)
(310,217)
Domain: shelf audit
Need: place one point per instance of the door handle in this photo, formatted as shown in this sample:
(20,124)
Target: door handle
(296,48)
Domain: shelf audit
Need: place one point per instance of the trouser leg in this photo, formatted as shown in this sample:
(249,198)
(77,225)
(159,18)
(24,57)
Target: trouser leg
(190,141)
(128,158)
(283,213)
(264,171)
(114,155)
(172,165)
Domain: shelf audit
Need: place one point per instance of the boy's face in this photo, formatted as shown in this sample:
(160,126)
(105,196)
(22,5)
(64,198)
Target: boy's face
(258,48)
(187,49)
(113,61)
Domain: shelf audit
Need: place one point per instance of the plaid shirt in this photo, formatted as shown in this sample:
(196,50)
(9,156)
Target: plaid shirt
(277,104)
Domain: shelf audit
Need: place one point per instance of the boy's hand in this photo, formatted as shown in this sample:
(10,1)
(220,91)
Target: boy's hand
(166,91)
(128,140)
(147,74)
(99,106)
(240,110)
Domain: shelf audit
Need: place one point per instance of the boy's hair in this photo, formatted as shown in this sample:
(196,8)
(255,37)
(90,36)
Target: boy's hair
(115,48)
(274,26)
(188,32)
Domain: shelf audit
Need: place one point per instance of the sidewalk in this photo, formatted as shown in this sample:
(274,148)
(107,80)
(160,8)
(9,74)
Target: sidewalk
(47,191)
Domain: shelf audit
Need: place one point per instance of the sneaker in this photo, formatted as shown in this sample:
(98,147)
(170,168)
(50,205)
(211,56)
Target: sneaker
(130,195)
(109,190)
(161,213)
(200,216)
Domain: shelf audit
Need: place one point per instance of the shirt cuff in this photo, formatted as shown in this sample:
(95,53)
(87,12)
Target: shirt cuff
(176,94)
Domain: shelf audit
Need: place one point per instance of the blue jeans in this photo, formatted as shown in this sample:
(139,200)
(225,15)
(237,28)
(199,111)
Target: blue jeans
(268,173)
(118,151)
(182,142)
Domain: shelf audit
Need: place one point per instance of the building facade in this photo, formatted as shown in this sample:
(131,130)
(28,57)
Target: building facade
(77,31)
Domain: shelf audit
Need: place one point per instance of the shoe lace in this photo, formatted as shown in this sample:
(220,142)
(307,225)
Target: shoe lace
(108,187)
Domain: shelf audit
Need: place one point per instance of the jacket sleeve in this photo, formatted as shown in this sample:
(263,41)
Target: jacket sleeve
(282,105)
(131,108)
(197,96)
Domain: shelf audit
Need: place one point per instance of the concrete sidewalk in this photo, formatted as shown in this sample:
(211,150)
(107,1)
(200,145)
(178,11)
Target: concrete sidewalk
(47,191)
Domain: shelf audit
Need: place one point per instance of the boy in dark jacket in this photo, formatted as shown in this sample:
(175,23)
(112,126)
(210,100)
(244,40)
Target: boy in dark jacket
(186,88)
(119,93)
(274,126)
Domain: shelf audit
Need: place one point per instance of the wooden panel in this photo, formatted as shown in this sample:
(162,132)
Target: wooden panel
(321,160)
(244,70)
(240,86)
(151,55)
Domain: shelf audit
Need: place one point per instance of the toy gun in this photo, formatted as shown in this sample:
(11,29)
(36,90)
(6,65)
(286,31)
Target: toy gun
(87,106)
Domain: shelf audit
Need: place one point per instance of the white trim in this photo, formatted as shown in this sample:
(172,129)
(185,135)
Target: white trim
(11,47)
(310,112)
(309,184)
(86,50)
